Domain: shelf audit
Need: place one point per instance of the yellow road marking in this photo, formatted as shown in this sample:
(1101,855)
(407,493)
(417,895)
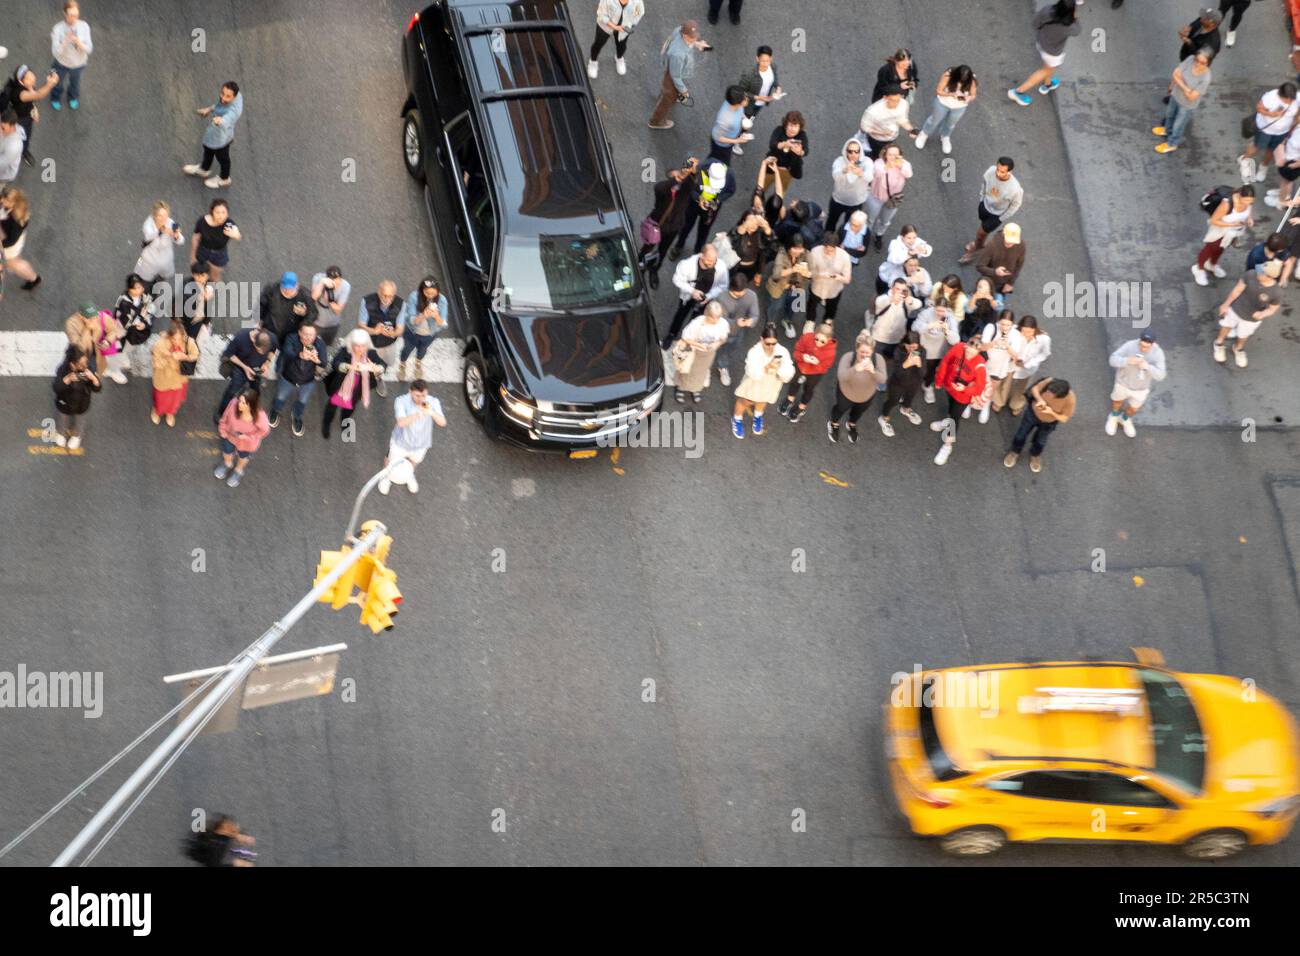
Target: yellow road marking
(55,450)
(832,480)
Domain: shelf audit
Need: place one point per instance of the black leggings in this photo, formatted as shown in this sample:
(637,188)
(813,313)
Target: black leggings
(345,414)
(222,156)
(897,397)
(802,394)
(1238,7)
(843,405)
(652,256)
(598,44)
(955,408)
(931,366)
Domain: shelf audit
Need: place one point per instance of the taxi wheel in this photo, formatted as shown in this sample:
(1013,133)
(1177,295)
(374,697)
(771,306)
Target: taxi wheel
(1215,845)
(973,841)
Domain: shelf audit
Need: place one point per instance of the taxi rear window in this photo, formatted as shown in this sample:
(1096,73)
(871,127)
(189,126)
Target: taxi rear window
(941,765)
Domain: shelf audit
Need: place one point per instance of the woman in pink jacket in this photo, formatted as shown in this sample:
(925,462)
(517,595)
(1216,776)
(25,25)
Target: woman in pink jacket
(243,425)
(890,174)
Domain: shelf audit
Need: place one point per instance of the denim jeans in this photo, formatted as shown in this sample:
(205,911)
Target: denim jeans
(1042,430)
(1176,119)
(782,309)
(238,383)
(286,389)
(943,119)
(419,344)
(67,75)
(726,356)
(879,215)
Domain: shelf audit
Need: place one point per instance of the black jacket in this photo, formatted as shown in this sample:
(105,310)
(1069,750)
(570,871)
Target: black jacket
(669,210)
(292,367)
(334,380)
(277,313)
(72,398)
(887,76)
(136,319)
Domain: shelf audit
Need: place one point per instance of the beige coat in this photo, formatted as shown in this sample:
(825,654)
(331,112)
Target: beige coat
(87,336)
(823,265)
(167,375)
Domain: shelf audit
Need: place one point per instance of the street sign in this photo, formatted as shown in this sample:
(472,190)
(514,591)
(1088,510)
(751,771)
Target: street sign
(292,680)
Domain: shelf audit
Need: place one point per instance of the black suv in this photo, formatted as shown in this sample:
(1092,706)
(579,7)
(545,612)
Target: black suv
(501,128)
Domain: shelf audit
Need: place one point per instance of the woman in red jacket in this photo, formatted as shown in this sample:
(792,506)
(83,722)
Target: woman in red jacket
(963,375)
(814,356)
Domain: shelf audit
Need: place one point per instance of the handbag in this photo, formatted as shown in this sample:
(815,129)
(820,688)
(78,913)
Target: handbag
(683,357)
(726,252)
(895,199)
(1248,126)
(650,232)
(107,344)
(186,366)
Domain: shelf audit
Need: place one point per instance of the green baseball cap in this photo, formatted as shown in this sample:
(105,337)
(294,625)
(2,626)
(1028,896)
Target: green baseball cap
(88,310)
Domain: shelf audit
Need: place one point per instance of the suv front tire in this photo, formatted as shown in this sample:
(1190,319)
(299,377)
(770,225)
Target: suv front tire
(474,385)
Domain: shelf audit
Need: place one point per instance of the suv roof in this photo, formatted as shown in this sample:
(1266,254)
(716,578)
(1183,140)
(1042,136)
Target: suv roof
(535,107)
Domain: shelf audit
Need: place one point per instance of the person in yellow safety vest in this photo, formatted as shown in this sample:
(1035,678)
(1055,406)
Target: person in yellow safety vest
(708,189)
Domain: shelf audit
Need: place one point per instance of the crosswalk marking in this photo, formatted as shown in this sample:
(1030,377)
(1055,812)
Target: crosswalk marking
(38,354)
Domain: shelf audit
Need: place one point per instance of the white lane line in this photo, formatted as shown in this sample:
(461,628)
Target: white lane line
(38,354)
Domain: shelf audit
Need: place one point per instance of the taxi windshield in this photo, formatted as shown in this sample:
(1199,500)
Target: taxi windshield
(1176,734)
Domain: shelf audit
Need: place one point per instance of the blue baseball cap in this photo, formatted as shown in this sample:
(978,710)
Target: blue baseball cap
(289,280)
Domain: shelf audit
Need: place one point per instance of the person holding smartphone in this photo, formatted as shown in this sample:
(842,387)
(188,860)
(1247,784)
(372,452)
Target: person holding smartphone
(74,383)
(157,260)
(415,414)
(423,318)
(213,234)
(678,58)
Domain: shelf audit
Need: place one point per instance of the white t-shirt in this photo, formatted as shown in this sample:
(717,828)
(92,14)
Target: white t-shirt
(1291,149)
(768,77)
(698,330)
(1272,100)
(998,357)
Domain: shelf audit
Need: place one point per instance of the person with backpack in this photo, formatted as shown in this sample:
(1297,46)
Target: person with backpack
(707,190)
(963,375)
(1053,26)
(134,312)
(1230,215)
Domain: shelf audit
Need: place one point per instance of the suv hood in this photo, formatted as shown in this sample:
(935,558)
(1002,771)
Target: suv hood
(597,357)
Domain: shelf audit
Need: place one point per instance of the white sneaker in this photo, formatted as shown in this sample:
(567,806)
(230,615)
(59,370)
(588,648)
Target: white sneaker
(593,68)
(984,414)
(117,377)
(724,376)
(885,427)
(929,394)
(385,486)
(1261,173)
(788,326)
(412,485)
(965,412)
(911,416)
(945,452)
(1200,275)
(61,439)
(921,140)
(216,182)
(194,169)
(735,148)
(1112,423)
(74,442)
(946,143)
(1220,353)
(1231,39)
(1220,271)
(620,66)
(747,123)
(1127,425)
(1240,356)
(1272,200)
(1274,192)
(940,425)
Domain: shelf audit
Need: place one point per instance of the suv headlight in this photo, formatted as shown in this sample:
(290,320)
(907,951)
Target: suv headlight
(517,406)
(651,400)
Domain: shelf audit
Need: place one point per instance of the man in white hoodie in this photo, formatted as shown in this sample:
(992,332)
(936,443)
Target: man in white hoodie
(71,46)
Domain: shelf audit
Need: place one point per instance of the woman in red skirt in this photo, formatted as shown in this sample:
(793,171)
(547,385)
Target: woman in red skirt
(170,381)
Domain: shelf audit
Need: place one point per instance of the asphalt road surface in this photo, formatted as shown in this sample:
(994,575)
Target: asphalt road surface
(521,690)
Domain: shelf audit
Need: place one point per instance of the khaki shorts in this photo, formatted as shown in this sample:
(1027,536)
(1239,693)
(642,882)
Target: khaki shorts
(1133,398)
(1241,328)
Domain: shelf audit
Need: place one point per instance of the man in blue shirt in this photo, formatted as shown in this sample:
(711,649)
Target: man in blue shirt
(218,135)
(728,126)
(415,414)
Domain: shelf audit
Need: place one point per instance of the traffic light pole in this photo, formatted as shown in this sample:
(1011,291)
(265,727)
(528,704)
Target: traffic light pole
(239,670)
(361,496)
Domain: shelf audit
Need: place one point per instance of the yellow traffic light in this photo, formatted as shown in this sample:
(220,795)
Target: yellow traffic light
(381,546)
(340,594)
(382,598)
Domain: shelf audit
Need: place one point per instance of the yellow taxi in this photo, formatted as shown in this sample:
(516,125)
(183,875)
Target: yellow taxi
(1098,751)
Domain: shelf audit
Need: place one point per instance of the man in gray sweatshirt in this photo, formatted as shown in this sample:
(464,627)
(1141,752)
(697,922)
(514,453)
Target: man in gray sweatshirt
(678,57)
(1000,199)
(1138,364)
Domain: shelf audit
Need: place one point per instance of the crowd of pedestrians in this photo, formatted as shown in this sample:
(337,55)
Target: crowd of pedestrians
(929,337)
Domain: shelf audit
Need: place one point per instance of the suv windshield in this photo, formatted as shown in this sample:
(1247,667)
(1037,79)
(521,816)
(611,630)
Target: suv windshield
(1175,730)
(567,272)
